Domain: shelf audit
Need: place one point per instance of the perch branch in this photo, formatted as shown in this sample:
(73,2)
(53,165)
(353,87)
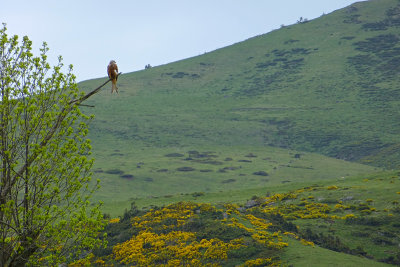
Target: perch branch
(83,98)
(84,105)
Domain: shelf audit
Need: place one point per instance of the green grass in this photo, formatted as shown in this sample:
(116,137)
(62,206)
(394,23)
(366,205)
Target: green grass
(152,174)
(298,255)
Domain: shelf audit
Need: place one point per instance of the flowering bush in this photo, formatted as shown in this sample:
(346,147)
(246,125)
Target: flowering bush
(332,187)
(176,247)
(189,234)
(258,262)
(192,234)
(115,220)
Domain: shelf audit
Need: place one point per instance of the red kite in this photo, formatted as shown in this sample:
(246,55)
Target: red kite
(112,71)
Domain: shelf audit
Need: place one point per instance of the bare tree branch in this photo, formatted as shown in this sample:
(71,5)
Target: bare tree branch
(83,98)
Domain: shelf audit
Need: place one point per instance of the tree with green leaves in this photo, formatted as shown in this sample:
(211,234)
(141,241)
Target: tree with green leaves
(45,180)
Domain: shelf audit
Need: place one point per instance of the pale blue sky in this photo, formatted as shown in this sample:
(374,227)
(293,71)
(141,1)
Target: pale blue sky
(89,33)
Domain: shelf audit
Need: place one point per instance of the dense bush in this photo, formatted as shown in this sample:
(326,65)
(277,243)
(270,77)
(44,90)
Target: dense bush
(185,169)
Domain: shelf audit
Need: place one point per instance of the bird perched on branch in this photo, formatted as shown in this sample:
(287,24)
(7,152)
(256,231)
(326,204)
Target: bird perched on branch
(112,71)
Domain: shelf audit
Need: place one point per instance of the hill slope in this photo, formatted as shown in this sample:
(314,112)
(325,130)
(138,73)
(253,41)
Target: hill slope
(326,86)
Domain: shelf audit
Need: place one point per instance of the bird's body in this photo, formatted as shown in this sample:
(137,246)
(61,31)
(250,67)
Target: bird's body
(112,71)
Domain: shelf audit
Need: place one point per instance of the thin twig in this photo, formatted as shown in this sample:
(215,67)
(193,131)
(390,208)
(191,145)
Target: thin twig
(84,105)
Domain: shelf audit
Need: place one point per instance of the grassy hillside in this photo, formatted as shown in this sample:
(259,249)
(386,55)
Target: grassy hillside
(328,86)
(160,174)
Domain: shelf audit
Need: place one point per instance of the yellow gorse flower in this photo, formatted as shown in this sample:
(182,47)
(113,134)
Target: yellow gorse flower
(115,220)
(147,249)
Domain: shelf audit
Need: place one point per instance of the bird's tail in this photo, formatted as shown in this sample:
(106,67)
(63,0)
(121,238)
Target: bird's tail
(114,86)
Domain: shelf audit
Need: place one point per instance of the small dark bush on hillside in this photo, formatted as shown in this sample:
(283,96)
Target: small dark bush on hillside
(197,194)
(196,154)
(261,173)
(291,41)
(208,161)
(115,171)
(301,51)
(116,154)
(280,53)
(292,64)
(180,75)
(185,169)
(139,165)
(227,181)
(231,168)
(127,176)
